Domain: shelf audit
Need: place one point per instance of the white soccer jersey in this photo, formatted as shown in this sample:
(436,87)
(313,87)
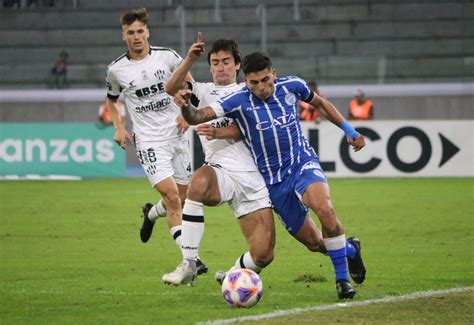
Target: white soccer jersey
(151,109)
(230,154)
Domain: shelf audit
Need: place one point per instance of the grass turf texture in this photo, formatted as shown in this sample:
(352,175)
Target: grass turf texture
(70,253)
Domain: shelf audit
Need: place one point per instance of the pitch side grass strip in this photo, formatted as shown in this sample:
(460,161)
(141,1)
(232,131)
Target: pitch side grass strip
(295,311)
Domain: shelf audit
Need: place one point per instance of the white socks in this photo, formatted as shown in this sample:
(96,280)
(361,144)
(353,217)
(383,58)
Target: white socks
(246,262)
(157,211)
(192,229)
(176,233)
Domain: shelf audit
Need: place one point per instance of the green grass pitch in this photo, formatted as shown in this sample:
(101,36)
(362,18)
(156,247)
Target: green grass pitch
(70,253)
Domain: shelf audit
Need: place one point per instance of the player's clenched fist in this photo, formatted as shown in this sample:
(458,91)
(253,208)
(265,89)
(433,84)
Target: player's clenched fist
(181,98)
(358,143)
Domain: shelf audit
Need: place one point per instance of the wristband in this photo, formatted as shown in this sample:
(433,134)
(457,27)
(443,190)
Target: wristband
(349,130)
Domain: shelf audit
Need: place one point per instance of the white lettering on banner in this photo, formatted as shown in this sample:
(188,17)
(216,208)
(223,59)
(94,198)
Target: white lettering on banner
(30,146)
(58,147)
(105,150)
(59,150)
(81,145)
(15,146)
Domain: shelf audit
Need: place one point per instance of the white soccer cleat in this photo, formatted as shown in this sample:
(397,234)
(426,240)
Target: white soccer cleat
(185,273)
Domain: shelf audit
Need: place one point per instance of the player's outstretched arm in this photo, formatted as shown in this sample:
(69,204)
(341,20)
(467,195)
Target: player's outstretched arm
(190,113)
(354,138)
(182,74)
(327,109)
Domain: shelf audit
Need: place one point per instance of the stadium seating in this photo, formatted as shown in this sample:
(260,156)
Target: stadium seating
(333,42)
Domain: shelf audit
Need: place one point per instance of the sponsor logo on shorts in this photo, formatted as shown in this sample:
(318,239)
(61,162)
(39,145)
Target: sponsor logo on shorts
(151,170)
(310,165)
(319,173)
(315,167)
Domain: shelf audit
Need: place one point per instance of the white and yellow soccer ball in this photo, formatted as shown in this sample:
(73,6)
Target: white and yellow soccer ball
(242,288)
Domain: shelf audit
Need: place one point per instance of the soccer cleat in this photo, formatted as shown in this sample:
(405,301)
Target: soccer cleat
(220,276)
(344,290)
(147,226)
(185,273)
(356,266)
(201,268)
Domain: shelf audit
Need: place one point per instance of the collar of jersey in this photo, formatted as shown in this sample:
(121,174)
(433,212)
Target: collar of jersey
(226,86)
(130,59)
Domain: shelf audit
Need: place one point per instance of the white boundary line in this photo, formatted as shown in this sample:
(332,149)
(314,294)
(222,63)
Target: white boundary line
(294,311)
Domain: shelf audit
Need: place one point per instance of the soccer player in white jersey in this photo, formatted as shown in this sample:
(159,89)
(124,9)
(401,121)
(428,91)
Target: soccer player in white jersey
(229,173)
(158,132)
(266,111)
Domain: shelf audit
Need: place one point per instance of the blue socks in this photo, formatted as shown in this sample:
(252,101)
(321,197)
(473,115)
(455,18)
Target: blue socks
(336,247)
(351,250)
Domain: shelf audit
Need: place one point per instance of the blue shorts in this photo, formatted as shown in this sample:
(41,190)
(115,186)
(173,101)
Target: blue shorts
(287,195)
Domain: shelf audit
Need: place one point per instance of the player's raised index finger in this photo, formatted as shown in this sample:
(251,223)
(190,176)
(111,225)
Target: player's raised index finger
(199,39)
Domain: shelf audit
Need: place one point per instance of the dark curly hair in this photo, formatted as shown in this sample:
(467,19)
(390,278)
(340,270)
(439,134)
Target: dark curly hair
(139,14)
(227,45)
(255,62)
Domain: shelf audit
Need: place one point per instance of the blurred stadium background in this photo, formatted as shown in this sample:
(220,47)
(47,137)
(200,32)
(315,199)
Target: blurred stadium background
(69,251)
(415,59)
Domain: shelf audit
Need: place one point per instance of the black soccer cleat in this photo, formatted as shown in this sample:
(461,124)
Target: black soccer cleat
(201,268)
(356,266)
(147,227)
(345,290)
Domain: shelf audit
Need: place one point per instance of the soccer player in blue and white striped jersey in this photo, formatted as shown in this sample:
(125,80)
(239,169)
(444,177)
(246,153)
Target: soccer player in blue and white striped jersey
(266,111)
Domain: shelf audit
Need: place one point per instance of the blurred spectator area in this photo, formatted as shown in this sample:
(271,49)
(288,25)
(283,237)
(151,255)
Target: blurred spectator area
(333,42)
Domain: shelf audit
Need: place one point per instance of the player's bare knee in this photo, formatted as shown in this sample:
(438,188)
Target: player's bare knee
(325,212)
(172,200)
(197,189)
(262,253)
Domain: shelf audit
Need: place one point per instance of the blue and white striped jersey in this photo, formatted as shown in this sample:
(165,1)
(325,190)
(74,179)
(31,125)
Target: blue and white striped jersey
(271,128)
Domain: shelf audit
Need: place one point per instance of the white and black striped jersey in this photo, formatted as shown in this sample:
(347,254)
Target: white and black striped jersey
(228,153)
(142,83)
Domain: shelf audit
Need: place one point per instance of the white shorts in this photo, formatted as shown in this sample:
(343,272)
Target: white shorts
(160,161)
(244,191)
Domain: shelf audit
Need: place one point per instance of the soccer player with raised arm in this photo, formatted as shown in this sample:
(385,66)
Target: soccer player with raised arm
(266,112)
(229,173)
(162,148)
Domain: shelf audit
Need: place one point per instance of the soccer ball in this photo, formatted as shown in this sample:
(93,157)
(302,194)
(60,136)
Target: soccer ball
(242,288)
